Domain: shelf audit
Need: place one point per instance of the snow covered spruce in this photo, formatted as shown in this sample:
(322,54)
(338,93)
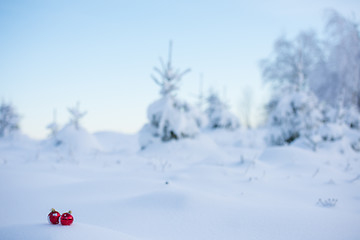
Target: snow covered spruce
(9,120)
(294,115)
(169,117)
(219,115)
(72,138)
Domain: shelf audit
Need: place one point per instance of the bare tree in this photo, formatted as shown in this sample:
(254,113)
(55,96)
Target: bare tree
(292,61)
(339,74)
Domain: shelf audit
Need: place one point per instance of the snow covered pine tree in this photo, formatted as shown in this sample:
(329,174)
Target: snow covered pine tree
(73,137)
(76,115)
(219,114)
(293,110)
(169,118)
(296,114)
(9,119)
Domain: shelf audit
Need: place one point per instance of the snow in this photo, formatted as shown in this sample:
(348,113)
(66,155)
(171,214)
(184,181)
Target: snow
(75,139)
(169,118)
(219,185)
(45,232)
(331,131)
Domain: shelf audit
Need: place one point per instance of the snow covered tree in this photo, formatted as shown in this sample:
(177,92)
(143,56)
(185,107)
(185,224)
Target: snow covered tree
(169,118)
(76,115)
(72,138)
(9,119)
(292,61)
(339,74)
(219,114)
(295,114)
(352,117)
(304,68)
(54,129)
(168,77)
(293,108)
(336,80)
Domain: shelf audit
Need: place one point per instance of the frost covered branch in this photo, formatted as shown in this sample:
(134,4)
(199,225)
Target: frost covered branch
(168,76)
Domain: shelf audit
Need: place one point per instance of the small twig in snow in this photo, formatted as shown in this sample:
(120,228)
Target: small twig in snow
(331,202)
(355,179)
(316,172)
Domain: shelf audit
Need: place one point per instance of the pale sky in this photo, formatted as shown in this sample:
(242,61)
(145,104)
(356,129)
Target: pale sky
(54,54)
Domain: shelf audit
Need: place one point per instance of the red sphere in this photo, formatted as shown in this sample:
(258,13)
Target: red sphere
(54,216)
(66,218)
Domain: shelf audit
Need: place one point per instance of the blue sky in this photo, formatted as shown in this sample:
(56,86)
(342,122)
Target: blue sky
(54,54)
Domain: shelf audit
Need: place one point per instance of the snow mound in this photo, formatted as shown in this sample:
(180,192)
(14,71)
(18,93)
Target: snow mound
(200,150)
(19,139)
(17,148)
(331,131)
(290,158)
(59,232)
(112,141)
(77,140)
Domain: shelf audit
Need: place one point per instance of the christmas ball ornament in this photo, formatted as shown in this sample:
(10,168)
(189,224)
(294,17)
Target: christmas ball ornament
(66,218)
(54,216)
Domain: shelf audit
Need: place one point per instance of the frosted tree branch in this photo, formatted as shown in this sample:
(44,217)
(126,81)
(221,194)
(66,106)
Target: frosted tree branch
(169,77)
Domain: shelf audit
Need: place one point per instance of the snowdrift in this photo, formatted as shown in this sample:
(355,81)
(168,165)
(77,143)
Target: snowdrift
(219,185)
(71,139)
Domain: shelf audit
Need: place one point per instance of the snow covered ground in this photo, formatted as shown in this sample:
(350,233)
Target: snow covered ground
(220,185)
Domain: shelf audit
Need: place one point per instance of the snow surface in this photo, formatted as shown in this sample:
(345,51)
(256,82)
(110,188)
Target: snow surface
(220,185)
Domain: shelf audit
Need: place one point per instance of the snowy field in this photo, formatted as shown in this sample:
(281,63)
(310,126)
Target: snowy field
(220,185)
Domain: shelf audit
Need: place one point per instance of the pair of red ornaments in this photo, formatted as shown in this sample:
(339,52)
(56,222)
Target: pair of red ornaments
(65,219)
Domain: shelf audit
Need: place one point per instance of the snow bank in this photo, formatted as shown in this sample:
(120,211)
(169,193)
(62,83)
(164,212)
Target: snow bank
(114,142)
(331,131)
(71,139)
(18,148)
(215,186)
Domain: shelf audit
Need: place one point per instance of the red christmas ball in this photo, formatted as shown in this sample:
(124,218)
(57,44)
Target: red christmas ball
(66,218)
(54,216)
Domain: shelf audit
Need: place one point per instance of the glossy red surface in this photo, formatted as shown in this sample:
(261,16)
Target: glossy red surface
(66,219)
(54,217)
